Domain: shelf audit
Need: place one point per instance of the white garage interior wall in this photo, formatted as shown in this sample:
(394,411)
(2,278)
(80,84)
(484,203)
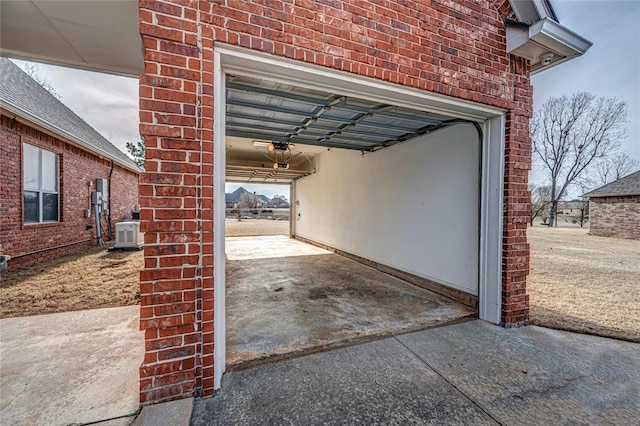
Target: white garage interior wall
(413,207)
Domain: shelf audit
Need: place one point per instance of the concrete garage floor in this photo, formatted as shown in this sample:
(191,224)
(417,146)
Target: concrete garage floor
(71,368)
(471,373)
(286,297)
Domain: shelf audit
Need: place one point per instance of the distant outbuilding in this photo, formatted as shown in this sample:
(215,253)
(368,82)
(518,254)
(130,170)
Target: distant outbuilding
(614,208)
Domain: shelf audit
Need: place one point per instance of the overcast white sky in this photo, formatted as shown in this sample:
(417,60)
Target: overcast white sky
(610,68)
(108,103)
(260,188)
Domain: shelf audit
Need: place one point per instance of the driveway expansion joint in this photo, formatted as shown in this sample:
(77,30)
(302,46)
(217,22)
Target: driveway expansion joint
(467,397)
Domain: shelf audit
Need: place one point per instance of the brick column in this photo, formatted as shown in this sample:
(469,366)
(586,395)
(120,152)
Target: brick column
(515,249)
(176,197)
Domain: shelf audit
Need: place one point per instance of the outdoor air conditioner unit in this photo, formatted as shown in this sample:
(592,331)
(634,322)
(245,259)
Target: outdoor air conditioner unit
(128,235)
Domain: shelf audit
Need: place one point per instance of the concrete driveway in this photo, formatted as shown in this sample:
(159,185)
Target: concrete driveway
(70,368)
(470,373)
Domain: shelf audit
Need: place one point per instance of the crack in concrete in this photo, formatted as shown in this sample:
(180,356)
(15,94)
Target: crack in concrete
(134,416)
(547,389)
(14,397)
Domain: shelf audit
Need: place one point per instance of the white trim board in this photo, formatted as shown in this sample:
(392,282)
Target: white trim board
(219,166)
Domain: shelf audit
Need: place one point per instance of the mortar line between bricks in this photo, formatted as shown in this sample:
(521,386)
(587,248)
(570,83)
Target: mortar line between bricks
(424,361)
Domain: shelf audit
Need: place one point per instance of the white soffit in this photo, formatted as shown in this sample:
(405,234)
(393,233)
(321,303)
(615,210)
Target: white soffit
(542,38)
(94,35)
(531,11)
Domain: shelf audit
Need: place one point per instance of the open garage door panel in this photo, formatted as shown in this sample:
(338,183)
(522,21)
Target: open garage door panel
(413,208)
(309,122)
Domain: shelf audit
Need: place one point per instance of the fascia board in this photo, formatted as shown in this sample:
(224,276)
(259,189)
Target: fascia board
(559,38)
(55,131)
(613,194)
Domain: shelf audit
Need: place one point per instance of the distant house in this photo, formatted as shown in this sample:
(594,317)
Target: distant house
(50,162)
(570,207)
(615,208)
(278,203)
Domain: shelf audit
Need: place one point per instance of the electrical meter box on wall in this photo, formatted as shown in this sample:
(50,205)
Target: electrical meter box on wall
(128,235)
(102,186)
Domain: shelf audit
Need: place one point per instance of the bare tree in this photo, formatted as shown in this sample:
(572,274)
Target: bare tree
(584,211)
(32,71)
(610,169)
(247,201)
(570,133)
(583,184)
(540,199)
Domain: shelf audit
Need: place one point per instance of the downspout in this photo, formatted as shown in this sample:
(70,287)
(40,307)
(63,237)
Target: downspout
(109,230)
(96,209)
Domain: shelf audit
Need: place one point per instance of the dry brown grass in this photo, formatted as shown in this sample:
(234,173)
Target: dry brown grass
(255,227)
(583,283)
(91,279)
(577,282)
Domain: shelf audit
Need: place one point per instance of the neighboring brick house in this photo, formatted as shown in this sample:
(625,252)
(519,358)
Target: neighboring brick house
(48,156)
(614,209)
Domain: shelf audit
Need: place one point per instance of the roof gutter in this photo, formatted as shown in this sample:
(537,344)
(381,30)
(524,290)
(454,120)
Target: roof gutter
(29,119)
(613,194)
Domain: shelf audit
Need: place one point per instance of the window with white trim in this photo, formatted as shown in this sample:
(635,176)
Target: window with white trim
(41,185)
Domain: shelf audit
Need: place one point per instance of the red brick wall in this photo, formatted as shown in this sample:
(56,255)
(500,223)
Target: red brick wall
(617,217)
(515,249)
(448,47)
(29,244)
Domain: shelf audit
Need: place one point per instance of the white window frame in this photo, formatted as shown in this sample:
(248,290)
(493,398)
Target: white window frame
(40,191)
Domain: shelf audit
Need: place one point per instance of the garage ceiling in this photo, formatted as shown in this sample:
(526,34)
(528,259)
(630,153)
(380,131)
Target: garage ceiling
(260,111)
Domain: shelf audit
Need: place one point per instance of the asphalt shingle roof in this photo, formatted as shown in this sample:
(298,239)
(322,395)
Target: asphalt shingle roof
(628,185)
(21,92)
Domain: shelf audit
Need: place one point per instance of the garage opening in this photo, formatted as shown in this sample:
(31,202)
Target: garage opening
(445,155)
(384,220)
